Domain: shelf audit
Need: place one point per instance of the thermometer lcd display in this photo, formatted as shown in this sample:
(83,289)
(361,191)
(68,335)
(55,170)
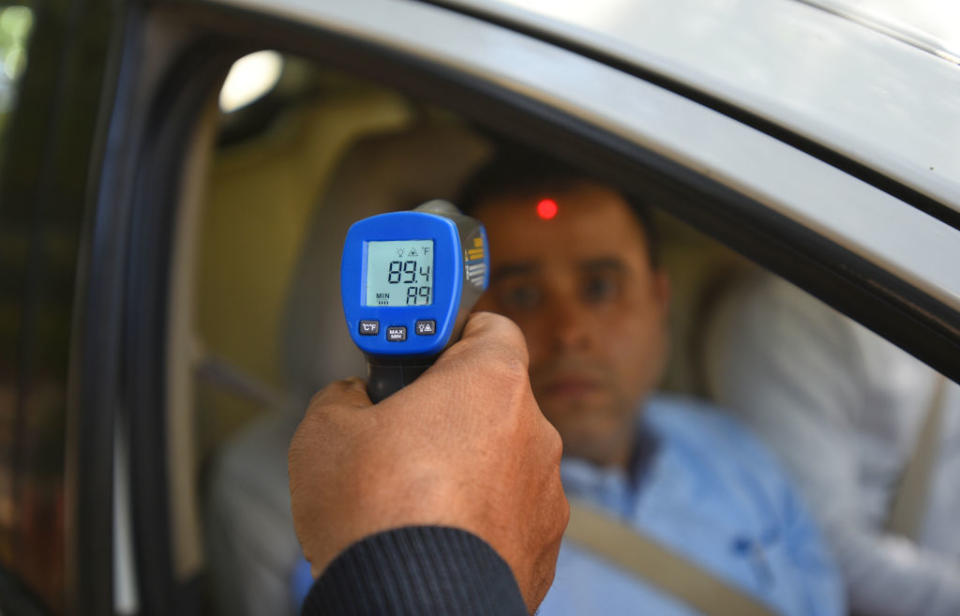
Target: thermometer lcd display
(399,273)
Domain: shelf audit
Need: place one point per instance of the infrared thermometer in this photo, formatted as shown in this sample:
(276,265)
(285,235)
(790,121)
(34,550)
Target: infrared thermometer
(408,281)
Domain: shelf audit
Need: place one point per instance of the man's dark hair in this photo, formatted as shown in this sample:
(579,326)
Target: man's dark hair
(518,171)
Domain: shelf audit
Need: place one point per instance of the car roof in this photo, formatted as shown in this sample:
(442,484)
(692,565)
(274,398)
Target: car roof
(877,82)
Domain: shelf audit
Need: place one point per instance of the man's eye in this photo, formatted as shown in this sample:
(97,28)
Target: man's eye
(520,297)
(600,288)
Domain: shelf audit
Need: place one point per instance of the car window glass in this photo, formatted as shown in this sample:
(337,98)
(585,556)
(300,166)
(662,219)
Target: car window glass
(303,151)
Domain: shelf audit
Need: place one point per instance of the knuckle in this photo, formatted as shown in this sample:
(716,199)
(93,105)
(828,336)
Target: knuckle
(350,392)
(564,512)
(514,342)
(497,332)
(508,376)
(513,370)
(555,444)
(327,394)
(513,333)
(317,398)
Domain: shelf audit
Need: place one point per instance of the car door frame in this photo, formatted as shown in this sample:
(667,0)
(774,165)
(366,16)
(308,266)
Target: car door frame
(166,60)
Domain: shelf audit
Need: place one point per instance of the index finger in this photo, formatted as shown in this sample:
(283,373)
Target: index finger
(350,393)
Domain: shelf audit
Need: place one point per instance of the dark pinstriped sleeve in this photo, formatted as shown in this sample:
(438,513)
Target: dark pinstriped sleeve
(417,571)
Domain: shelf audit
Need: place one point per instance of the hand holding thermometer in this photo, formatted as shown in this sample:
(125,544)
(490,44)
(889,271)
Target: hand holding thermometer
(408,281)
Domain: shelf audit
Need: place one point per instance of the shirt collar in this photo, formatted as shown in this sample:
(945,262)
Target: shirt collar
(613,488)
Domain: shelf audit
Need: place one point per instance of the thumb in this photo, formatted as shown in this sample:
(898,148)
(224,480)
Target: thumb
(489,336)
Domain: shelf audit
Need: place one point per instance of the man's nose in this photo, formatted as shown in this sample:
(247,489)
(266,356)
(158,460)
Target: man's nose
(568,326)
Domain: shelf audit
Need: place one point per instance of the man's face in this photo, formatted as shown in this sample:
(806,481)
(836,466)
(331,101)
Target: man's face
(581,288)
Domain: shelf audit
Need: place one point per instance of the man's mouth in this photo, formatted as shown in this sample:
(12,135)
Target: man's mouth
(570,385)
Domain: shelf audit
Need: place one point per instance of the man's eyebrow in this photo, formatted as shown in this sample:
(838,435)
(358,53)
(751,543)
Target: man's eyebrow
(604,263)
(522,268)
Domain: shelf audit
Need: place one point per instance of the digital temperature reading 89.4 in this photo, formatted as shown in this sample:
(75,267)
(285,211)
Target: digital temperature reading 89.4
(399,273)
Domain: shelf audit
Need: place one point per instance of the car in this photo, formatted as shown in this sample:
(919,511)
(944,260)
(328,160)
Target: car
(151,229)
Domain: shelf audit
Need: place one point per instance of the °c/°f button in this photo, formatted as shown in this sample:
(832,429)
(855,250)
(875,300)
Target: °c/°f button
(369,328)
(396,333)
(426,327)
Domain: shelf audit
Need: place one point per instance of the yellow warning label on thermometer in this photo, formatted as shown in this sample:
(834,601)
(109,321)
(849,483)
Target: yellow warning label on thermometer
(474,263)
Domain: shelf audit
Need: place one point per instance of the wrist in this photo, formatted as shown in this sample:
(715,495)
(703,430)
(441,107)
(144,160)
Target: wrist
(417,570)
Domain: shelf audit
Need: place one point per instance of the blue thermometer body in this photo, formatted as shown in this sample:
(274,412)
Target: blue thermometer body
(408,281)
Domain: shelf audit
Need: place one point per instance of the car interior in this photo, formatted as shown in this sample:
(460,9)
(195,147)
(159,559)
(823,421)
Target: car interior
(256,325)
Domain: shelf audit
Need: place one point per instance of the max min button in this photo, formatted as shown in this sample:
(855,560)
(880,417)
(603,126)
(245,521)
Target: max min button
(396,333)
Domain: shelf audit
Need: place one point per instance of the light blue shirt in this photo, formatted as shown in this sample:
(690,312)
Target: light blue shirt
(709,491)
(712,493)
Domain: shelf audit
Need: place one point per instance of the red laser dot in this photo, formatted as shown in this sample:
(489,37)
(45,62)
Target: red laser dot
(547,209)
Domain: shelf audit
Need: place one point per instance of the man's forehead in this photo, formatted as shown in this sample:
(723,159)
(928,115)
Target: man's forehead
(590,224)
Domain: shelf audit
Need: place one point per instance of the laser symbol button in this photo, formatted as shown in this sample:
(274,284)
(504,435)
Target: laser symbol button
(369,328)
(396,333)
(426,327)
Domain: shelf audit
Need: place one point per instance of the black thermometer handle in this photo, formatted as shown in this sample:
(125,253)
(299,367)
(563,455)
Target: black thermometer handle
(386,378)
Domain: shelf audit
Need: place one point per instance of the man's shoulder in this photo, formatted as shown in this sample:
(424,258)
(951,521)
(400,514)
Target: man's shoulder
(699,429)
(694,419)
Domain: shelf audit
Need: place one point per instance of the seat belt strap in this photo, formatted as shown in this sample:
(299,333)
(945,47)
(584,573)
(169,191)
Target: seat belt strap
(910,500)
(654,564)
